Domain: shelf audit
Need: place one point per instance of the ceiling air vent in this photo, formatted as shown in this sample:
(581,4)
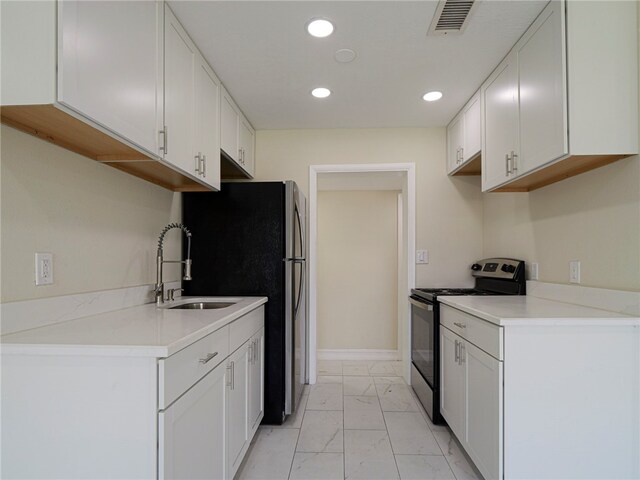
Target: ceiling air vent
(451,16)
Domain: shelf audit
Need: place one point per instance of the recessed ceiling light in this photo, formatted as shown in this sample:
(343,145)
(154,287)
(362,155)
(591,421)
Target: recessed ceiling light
(321,92)
(320,28)
(432,96)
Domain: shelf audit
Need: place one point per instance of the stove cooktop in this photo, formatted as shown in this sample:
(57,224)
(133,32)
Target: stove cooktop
(433,293)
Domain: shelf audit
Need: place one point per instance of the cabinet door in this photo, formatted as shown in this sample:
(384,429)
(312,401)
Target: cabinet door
(483,405)
(207,125)
(472,129)
(256,381)
(247,140)
(500,95)
(455,138)
(452,383)
(543,100)
(237,408)
(179,83)
(229,118)
(110,65)
(192,431)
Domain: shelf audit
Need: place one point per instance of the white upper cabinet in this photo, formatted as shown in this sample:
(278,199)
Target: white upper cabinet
(500,126)
(229,115)
(119,82)
(565,99)
(543,100)
(464,137)
(207,94)
(236,138)
(455,142)
(247,142)
(110,65)
(191,132)
(179,95)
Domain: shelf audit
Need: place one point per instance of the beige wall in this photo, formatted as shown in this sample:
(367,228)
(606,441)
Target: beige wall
(100,224)
(448,211)
(357,270)
(593,217)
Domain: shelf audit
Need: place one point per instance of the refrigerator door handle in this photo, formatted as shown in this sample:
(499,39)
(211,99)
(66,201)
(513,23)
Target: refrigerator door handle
(302,285)
(301,230)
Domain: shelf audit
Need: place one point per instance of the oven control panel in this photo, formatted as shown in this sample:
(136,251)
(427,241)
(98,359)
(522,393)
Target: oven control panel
(497,268)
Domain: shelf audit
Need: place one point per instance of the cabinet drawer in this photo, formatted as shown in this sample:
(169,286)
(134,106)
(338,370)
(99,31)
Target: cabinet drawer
(181,370)
(483,334)
(244,328)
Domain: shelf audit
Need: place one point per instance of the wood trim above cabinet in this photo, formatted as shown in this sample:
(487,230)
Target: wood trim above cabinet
(50,123)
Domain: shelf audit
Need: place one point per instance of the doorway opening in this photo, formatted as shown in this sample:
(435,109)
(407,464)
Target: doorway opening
(342,183)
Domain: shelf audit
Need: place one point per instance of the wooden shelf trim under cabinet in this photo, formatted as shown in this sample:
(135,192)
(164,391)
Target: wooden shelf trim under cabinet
(230,170)
(474,167)
(565,168)
(56,126)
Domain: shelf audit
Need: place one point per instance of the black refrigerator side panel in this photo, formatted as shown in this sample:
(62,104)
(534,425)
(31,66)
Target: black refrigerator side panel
(237,248)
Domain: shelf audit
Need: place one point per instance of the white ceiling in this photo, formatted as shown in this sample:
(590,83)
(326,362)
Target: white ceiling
(263,55)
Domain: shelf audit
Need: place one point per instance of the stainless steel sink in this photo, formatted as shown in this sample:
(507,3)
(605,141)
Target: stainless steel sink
(202,305)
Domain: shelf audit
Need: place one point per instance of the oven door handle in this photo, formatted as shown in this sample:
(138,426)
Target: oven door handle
(424,306)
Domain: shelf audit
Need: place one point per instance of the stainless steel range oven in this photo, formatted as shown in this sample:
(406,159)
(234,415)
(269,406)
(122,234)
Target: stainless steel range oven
(493,276)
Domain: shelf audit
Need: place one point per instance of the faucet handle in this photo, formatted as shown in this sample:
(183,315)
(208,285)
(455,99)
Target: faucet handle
(171,292)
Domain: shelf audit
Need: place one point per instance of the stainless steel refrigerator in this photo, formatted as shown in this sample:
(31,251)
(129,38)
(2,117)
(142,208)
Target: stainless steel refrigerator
(249,239)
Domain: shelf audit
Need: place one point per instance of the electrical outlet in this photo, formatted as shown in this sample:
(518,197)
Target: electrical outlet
(574,271)
(422,256)
(44,268)
(533,271)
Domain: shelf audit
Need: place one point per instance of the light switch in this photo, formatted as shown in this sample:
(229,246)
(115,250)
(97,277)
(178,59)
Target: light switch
(422,256)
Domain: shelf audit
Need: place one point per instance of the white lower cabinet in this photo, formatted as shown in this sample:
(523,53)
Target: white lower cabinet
(471,396)
(190,415)
(525,399)
(245,399)
(191,432)
(237,407)
(256,380)
(483,407)
(452,382)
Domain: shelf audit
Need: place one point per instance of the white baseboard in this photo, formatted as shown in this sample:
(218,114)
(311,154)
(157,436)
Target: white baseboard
(359,354)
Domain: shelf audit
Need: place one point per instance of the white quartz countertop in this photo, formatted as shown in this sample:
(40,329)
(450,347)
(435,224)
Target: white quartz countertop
(527,310)
(144,330)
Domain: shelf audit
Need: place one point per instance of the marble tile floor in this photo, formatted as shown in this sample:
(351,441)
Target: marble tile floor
(359,421)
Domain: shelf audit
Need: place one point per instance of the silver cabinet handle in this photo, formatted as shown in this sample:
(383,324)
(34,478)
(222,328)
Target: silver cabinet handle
(460,325)
(233,375)
(251,345)
(164,133)
(463,352)
(514,167)
(506,164)
(208,358)
(257,350)
(239,155)
(204,165)
(457,352)
(229,374)
(198,161)
(461,154)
